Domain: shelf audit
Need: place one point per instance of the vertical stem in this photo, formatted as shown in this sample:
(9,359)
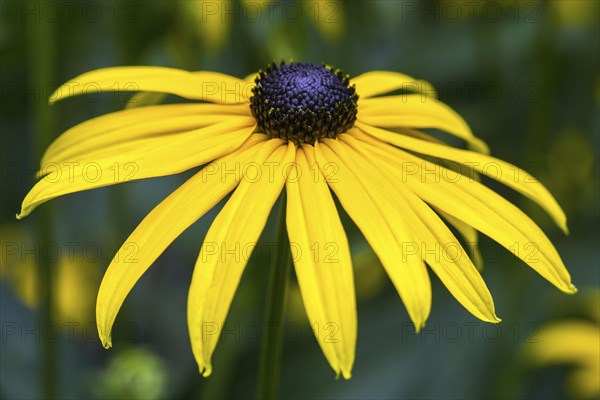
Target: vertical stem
(272,340)
(41,47)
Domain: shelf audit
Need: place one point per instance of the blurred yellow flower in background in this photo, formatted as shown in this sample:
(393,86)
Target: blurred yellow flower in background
(74,278)
(574,342)
(211,19)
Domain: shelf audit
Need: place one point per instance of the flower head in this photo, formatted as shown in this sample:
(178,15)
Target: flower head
(302,127)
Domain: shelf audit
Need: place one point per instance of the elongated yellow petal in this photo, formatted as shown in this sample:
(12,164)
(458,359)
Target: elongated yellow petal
(126,125)
(502,171)
(227,247)
(469,234)
(206,86)
(417,111)
(374,83)
(144,158)
(322,261)
(128,136)
(142,99)
(163,225)
(480,207)
(369,204)
(434,241)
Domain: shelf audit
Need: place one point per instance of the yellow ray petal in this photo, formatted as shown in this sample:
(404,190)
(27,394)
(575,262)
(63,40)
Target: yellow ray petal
(163,225)
(106,143)
(504,172)
(206,86)
(480,207)
(434,241)
(469,234)
(374,83)
(367,202)
(417,111)
(142,99)
(322,262)
(132,124)
(236,229)
(144,158)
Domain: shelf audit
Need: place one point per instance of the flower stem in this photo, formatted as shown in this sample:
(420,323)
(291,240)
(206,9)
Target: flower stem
(272,340)
(41,46)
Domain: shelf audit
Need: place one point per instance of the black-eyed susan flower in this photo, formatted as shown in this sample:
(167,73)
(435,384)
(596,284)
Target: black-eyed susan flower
(308,128)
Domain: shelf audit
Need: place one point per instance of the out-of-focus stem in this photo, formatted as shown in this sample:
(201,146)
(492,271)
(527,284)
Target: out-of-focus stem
(41,55)
(272,341)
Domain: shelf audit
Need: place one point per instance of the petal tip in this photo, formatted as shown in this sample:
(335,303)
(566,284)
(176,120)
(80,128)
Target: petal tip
(54,97)
(419,326)
(479,145)
(206,370)
(106,342)
(105,339)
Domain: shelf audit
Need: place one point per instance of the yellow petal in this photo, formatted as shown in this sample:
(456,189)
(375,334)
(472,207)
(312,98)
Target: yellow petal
(469,234)
(417,111)
(504,172)
(434,241)
(92,137)
(142,99)
(322,261)
(366,200)
(144,158)
(163,225)
(375,83)
(228,244)
(206,86)
(480,207)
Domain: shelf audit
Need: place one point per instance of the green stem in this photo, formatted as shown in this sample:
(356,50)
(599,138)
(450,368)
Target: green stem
(272,340)
(41,46)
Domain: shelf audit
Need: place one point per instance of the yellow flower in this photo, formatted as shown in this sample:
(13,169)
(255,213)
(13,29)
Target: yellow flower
(74,276)
(575,342)
(302,127)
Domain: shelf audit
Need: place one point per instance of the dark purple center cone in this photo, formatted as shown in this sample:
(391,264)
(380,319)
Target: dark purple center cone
(303,102)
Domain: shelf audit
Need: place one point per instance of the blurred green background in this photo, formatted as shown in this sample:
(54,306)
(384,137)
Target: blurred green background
(525,76)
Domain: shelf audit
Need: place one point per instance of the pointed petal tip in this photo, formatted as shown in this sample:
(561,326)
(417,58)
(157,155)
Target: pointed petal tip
(480,146)
(105,339)
(419,326)
(54,97)
(567,287)
(205,370)
(26,209)
(346,373)
(106,342)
